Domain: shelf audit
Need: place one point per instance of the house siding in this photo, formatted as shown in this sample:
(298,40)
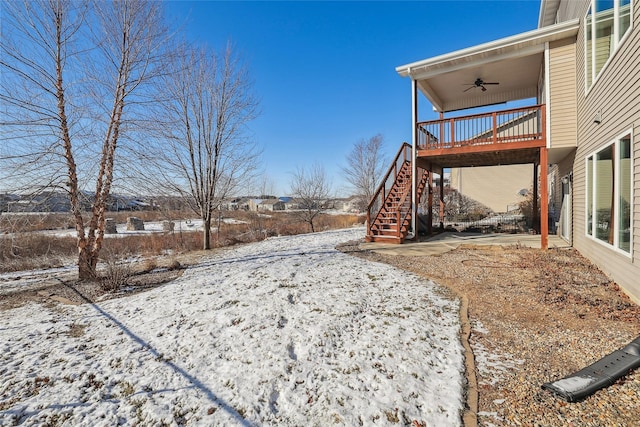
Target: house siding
(554,191)
(616,96)
(562,102)
(496,187)
(564,169)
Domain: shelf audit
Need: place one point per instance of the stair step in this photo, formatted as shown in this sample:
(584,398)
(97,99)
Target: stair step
(397,204)
(390,233)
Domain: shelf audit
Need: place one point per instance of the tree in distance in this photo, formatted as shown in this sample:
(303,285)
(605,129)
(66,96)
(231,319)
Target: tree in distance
(365,167)
(208,154)
(311,189)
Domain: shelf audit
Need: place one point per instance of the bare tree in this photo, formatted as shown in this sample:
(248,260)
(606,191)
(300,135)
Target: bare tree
(209,155)
(311,189)
(71,70)
(365,167)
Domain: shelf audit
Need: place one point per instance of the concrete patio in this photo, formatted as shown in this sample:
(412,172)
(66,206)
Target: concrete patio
(445,242)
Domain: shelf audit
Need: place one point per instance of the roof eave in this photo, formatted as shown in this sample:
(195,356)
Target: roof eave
(477,53)
(548,12)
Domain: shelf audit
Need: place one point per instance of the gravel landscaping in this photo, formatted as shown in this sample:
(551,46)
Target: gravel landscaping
(535,316)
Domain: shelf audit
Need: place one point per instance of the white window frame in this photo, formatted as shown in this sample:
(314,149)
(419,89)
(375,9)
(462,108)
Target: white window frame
(616,43)
(616,195)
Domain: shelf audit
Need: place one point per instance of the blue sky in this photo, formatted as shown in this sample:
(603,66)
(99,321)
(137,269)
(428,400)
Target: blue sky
(325,71)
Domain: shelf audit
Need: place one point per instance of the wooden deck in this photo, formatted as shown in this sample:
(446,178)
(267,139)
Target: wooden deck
(512,136)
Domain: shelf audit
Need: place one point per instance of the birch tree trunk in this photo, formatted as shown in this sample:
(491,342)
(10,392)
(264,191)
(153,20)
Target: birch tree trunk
(63,59)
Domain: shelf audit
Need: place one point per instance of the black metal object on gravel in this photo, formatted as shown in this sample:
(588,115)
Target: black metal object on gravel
(601,374)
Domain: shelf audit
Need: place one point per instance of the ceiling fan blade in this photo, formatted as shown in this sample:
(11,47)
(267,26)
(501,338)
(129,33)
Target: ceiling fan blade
(480,84)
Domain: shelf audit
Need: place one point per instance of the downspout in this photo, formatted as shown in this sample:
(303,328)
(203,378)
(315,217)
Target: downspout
(414,167)
(544,208)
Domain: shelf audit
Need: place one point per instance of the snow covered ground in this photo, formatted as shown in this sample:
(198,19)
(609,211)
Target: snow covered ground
(150,227)
(284,332)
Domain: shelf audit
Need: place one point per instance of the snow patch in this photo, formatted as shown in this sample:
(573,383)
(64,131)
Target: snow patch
(288,331)
(573,384)
(492,365)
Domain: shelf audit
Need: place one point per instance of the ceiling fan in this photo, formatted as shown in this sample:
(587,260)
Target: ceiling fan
(481,84)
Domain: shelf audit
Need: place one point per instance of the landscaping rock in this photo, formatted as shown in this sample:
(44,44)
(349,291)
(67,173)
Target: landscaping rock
(135,224)
(110,226)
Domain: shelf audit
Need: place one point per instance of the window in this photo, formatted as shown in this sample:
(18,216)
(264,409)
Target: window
(608,194)
(606,24)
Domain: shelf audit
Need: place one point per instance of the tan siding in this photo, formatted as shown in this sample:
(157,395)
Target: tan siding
(496,187)
(562,102)
(525,124)
(565,168)
(555,194)
(616,94)
(566,165)
(603,49)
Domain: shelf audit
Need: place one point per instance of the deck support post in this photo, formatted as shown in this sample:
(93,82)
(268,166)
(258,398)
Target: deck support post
(414,158)
(535,217)
(441,211)
(430,212)
(544,199)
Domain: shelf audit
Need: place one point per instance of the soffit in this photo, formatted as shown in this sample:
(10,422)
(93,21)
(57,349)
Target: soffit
(548,12)
(515,62)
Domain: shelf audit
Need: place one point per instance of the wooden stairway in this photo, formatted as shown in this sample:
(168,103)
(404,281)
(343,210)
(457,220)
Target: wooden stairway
(389,212)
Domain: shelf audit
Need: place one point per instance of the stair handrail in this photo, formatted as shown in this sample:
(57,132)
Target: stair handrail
(404,213)
(403,155)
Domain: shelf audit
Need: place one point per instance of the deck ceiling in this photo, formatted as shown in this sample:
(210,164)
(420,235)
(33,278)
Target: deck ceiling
(514,62)
(491,158)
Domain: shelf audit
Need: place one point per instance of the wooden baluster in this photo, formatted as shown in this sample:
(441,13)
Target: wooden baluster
(495,127)
(453,133)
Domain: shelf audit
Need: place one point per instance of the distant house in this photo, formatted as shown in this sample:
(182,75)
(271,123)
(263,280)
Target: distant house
(271,205)
(51,201)
(252,204)
(5,199)
(351,204)
(291,204)
(243,203)
(126,203)
(232,204)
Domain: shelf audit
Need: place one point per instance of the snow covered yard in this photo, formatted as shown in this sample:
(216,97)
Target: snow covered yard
(288,331)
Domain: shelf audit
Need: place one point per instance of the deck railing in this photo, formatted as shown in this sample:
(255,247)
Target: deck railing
(509,126)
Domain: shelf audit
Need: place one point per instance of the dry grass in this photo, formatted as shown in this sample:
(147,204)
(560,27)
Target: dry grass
(22,223)
(24,245)
(30,250)
(36,221)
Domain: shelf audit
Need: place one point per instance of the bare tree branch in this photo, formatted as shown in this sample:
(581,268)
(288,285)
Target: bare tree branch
(208,153)
(365,166)
(311,189)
